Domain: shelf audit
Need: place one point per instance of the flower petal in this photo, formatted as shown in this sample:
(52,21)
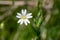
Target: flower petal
(24,11)
(19,14)
(25,22)
(19,20)
(29,14)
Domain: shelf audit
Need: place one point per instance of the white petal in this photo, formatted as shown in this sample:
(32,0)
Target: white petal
(19,20)
(25,22)
(29,14)
(19,14)
(24,11)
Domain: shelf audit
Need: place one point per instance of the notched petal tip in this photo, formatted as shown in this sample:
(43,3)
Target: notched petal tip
(24,11)
(28,21)
(21,22)
(18,14)
(29,14)
(25,23)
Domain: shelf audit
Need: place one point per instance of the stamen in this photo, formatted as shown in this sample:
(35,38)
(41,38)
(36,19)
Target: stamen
(23,17)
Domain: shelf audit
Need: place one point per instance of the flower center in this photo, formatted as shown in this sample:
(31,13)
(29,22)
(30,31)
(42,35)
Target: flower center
(24,17)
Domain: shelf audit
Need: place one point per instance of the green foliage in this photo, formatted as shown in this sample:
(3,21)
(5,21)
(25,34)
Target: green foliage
(11,30)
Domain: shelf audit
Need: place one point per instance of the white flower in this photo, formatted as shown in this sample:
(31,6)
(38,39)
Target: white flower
(23,18)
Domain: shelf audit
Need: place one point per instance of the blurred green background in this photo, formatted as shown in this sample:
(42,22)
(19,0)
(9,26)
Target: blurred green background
(45,24)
